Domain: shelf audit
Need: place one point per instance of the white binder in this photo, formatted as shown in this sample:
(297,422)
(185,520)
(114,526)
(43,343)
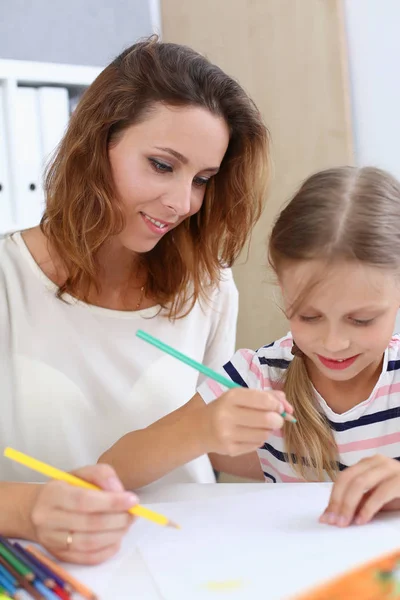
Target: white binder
(5,190)
(53,105)
(28,159)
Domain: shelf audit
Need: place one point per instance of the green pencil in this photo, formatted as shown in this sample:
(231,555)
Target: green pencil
(18,565)
(196,365)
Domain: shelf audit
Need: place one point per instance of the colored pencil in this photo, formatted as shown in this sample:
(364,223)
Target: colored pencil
(18,552)
(5,573)
(197,366)
(7,586)
(45,591)
(74,583)
(4,595)
(19,566)
(50,574)
(53,473)
(36,567)
(22,581)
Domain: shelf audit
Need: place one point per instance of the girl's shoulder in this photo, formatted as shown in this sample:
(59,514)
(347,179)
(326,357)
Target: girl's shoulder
(394,350)
(263,368)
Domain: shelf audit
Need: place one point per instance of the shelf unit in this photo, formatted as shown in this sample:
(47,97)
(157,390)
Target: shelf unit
(14,74)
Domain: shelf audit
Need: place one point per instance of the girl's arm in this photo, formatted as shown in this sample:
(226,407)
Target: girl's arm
(247,465)
(235,424)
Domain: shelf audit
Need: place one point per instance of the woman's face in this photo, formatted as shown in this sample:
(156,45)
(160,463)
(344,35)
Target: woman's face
(161,167)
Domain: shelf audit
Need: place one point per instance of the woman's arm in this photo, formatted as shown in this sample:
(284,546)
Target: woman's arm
(143,456)
(16,502)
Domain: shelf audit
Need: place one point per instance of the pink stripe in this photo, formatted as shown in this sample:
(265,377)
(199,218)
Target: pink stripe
(284,478)
(265,382)
(386,390)
(215,388)
(248,357)
(383,440)
(286,343)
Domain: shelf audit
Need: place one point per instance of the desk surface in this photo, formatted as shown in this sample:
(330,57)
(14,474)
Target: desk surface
(127,576)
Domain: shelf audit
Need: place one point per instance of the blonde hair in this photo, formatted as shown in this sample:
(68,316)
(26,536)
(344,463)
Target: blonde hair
(344,213)
(82,210)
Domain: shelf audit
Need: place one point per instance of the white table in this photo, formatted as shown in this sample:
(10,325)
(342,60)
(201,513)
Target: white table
(126,576)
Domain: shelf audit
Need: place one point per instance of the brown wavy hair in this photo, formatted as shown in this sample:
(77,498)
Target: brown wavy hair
(345,213)
(82,210)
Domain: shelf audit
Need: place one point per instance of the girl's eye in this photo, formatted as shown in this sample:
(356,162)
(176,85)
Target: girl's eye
(159,166)
(308,319)
(200,181)
(361,322)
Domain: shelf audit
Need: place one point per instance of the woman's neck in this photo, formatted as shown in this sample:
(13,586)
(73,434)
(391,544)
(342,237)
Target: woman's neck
(121,279)
(342,396)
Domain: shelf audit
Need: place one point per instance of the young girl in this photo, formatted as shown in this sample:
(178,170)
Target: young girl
(336,252)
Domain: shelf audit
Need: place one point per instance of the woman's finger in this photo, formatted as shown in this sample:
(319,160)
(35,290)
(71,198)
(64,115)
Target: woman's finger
(67,497)
(86,558)
(77,541)
(87,522)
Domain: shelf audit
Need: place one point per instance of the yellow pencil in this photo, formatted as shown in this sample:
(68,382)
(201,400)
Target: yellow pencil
(53,473)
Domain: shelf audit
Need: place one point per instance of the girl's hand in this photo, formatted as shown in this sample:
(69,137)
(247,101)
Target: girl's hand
(241,420)
(362,490)
(79,525)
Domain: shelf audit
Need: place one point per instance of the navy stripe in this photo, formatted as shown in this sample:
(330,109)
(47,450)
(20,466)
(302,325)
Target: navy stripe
(270,476)
(234,375)
(393,365)
(269,346)
(378,417)
(283,456)
(278,363)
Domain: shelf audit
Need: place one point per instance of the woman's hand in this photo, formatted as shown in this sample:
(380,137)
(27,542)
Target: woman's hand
(241,420)
(79,525)
(363,490)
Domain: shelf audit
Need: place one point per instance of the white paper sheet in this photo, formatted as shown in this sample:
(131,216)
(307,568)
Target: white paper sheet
(268,542)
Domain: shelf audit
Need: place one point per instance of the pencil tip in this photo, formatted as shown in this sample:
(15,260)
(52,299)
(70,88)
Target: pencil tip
(174,525)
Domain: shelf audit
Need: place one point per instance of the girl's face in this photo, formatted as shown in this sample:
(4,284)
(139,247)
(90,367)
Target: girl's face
(347,319)
(161,167)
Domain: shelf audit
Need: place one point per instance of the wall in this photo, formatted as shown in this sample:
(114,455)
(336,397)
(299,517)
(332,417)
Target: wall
(374,51)
(82,32)
(291,57)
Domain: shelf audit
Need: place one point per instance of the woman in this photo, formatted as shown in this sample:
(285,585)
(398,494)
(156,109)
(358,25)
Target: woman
(150,198)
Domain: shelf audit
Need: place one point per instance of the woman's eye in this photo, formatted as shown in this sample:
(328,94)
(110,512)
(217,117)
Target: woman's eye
(308,319)
(201,181)
(159,166)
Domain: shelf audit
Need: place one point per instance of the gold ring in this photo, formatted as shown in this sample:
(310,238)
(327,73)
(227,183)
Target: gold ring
(69,539)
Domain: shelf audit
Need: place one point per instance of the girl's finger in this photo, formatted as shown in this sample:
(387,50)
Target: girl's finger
(340,486)
(257,420)
(387,491)
(352,486)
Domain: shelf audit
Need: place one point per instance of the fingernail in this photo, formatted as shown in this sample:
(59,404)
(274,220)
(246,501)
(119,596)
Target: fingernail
(131,500)
(359,521)
(342,521)
(114,484)
(331,518)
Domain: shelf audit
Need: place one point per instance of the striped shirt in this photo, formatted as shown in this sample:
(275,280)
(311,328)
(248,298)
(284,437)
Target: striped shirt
(371,427)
